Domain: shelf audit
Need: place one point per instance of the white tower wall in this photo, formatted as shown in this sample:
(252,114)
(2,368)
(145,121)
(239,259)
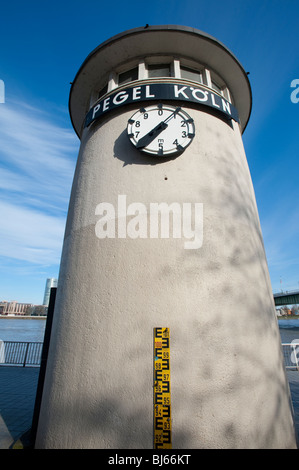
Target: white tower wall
(228,383)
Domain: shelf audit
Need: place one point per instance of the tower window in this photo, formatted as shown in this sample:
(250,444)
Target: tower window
(190,74)
(216,87)
(128,76)
(158,70)
(103,91)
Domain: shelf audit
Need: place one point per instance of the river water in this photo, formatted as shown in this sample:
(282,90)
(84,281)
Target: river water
(14,329)
(289,330)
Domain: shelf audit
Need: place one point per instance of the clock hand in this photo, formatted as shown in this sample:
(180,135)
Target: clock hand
(150,136)
(172,114)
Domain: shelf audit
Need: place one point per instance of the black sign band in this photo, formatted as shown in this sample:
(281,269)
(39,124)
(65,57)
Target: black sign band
(161,91)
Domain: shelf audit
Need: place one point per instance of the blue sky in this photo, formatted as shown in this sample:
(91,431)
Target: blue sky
(43,44)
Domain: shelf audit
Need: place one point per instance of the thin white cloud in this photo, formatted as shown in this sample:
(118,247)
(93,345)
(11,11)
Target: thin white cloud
(30,235)
(36,152)
(37,161)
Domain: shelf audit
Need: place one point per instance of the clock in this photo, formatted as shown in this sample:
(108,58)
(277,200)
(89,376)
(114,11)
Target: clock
(161,130)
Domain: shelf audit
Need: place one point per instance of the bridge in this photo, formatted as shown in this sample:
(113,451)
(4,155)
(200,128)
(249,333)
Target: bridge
(286,298)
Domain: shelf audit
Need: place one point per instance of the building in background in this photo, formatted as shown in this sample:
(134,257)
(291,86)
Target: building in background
(51,282)
(14,308)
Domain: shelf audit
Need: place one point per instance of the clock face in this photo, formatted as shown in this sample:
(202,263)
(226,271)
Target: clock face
(161,130)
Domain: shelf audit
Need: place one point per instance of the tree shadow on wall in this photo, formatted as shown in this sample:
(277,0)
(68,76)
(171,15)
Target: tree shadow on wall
(100,420)
(256,323)
(108,416)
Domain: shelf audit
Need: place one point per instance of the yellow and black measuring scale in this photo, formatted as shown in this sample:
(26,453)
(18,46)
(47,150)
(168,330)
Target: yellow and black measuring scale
(162,399)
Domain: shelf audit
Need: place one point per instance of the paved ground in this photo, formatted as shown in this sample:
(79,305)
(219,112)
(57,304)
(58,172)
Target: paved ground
(17,398)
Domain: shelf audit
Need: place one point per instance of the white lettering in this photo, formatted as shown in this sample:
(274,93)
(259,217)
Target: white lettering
(165,210)
(95,110)
(105,227)
(225,106)
(197,233)
(106,104)
(197,90)
(136,93)
(187,221)
(295,93)
(180,91)
(120,97)
(122,216)
(119,460)
(148,92)
(165,459)
(2,92)
(213,101)
(137,227)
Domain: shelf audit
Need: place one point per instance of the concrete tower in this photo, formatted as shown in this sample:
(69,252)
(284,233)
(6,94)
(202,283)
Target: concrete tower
(163,232)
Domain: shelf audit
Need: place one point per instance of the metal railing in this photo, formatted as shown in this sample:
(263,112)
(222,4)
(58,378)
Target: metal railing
(286,292)
(29,354)
(291,355)
(19,353)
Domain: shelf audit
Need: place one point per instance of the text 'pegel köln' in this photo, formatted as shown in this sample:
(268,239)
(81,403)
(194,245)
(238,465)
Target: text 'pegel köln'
(158,92)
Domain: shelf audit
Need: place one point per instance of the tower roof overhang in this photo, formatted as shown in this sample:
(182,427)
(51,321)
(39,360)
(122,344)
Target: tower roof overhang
(178,41)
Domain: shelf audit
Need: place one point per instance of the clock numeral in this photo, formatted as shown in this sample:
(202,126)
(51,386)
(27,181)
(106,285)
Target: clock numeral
(160,117)
(178,146)
(160,144)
